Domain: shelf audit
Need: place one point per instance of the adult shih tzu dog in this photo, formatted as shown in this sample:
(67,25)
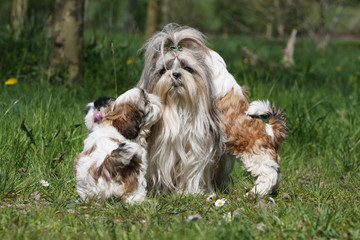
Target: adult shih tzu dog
(205,113)
(185,145)
(114,159)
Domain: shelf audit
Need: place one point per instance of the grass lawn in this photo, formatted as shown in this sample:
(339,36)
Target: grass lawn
(41,132)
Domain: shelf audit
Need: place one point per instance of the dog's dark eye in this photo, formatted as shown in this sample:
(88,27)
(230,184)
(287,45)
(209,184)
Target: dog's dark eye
(189,69)
(162,71)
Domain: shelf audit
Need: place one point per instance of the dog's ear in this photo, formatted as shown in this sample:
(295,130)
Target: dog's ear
(103,101)
(127,119)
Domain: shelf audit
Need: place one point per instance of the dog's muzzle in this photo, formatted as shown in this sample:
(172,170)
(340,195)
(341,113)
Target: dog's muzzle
(177,82)
(97,116)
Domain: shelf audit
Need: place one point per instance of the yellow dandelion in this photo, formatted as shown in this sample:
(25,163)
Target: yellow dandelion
(11,81)
(246,60)
(130,60)
(338,68)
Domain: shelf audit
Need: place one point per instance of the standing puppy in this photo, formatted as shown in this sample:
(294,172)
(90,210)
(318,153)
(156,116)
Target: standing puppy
(254,134)
(114,158)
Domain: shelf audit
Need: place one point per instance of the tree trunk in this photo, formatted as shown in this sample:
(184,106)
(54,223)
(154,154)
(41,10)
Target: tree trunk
(18,13)
(323,7)
(68,37)
(165,12)
(289,51)
(129,24)
(151,18)
(324,41)
(269,31)
(278,19)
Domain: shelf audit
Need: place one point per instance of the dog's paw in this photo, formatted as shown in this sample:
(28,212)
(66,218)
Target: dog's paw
(123,155)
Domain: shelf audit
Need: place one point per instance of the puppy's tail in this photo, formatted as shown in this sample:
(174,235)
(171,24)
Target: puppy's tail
(270,115)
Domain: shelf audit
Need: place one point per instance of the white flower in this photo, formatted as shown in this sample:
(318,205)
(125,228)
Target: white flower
(44,183)
(195,218)
(211,197)
(220,202)
(227,217)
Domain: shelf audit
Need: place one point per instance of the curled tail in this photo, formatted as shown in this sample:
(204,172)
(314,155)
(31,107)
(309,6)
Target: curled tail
(269,114)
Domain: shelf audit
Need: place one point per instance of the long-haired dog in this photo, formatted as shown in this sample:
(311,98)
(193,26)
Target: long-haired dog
(205,113)
(114,159)
(185,144)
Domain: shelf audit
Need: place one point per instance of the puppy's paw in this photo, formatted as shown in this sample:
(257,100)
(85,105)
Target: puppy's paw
(123,155)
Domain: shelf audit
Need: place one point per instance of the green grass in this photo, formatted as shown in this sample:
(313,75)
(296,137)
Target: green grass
(40,122)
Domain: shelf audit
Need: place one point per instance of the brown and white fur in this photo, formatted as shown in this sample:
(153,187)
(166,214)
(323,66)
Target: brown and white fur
(205,109)
(114,159)
(256,143)
(252,140)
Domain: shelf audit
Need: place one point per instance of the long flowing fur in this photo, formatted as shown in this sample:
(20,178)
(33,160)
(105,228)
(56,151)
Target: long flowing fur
(185,145)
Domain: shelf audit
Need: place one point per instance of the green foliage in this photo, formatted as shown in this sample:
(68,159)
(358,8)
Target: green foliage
(41,132)
(214,16)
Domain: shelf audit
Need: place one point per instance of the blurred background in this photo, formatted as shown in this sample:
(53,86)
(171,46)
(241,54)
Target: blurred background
(255,17)
(56,39)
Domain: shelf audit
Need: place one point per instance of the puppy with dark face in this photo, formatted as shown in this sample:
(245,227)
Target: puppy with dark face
(114,159)
(95,111)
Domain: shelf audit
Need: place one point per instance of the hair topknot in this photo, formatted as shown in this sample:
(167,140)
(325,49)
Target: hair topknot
(190,39)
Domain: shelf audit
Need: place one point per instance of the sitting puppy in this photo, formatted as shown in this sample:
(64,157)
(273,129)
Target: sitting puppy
(114,159)
(95,111)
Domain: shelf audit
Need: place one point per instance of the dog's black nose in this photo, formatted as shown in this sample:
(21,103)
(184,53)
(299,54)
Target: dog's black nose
(177,75)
